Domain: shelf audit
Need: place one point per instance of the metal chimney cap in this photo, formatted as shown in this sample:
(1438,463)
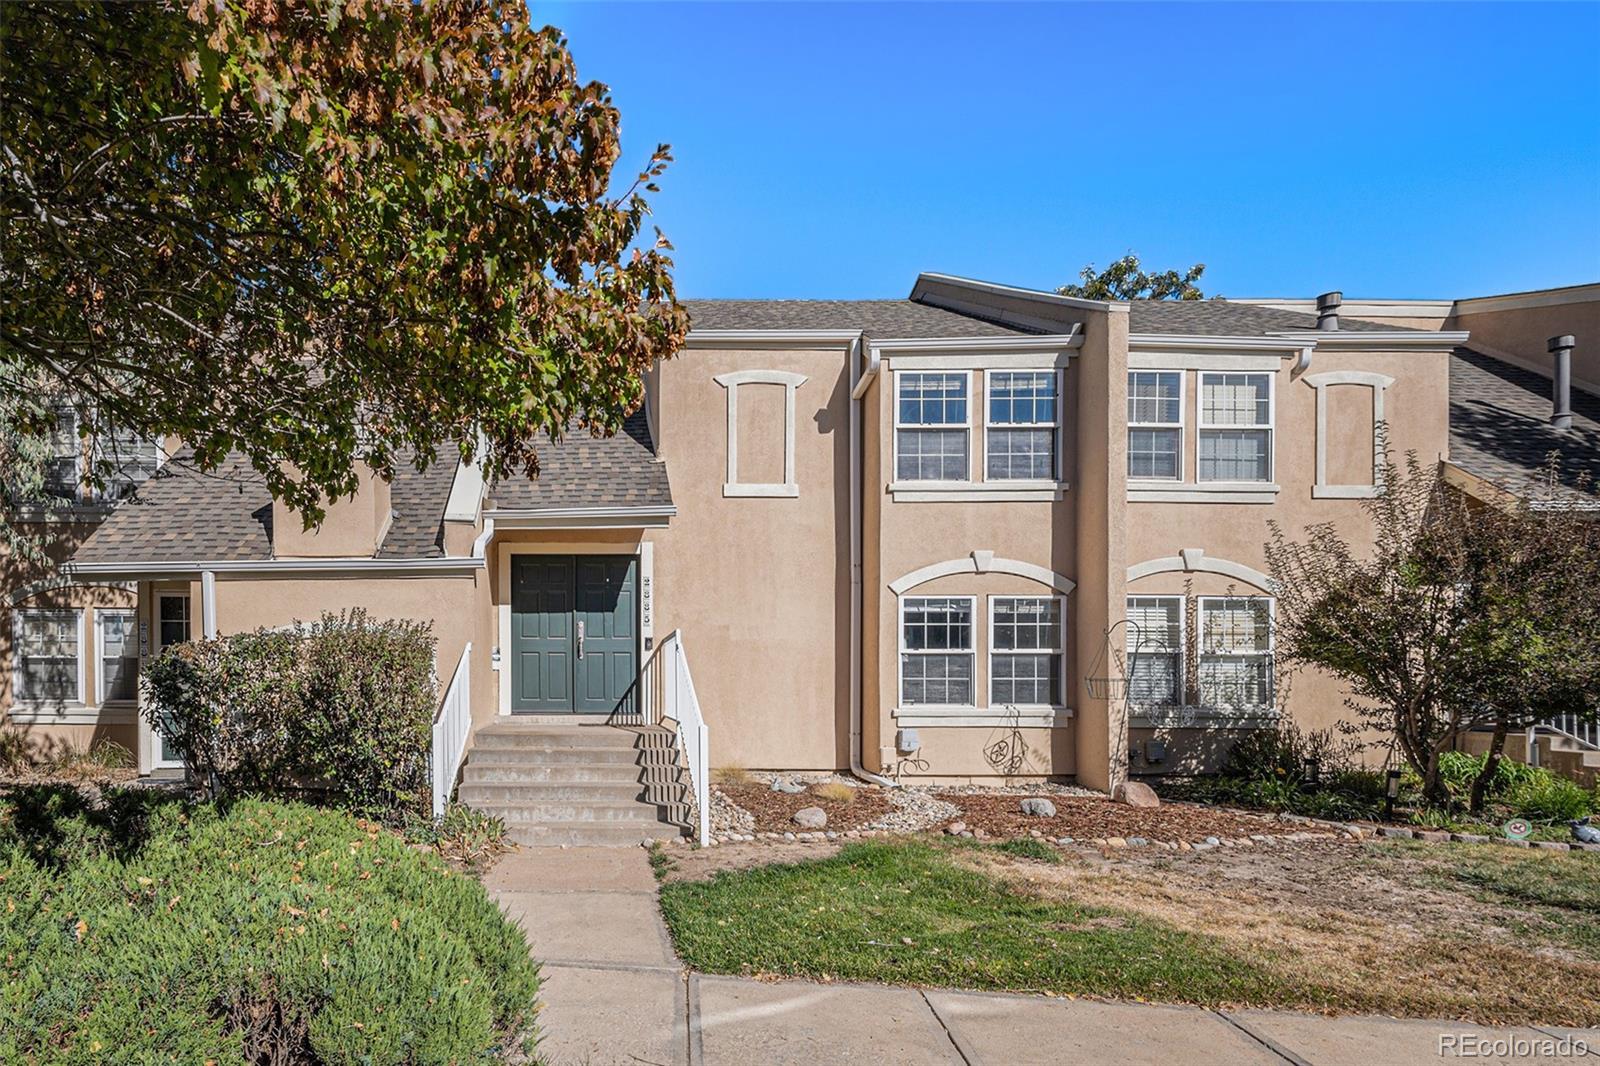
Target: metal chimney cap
(1330,300)
(1566,340)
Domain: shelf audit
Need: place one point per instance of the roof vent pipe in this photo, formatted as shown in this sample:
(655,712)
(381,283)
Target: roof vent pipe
(1561,347)
(1328,310)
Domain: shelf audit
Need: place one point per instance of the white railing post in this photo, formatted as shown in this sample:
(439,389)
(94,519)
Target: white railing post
(451,725)
(702,786)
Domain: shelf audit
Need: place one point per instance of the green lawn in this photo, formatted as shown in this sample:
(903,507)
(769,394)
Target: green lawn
(1563,891)
(907,913)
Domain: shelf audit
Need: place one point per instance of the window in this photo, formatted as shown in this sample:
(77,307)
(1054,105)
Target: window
(173,620)
(133,460)
(1235,439)
(1155,425)
(119,655)
(63,472)
(931,426)
(936,650)
(1235,651)
(1025,651)
(1155,650)
(48,644)
(1020,442)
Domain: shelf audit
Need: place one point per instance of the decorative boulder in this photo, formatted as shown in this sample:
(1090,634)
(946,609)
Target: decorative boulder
(811,818)
(1038,807)
(1136,794)
(955,829)
(793,788)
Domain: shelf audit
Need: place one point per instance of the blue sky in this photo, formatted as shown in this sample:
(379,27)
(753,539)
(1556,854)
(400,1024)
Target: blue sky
(834,150)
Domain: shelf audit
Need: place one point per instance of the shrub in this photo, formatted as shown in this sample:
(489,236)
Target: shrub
(343,707)
(270,933)
(464,835)
(96,760)
(1287,753)
(731,776)
(16,752)
(1545,797)
(834,792)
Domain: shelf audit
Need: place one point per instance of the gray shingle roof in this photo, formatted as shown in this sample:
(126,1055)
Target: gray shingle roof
(185,515)
(585,471)
(1500,423)
(883,319)
(1223,318)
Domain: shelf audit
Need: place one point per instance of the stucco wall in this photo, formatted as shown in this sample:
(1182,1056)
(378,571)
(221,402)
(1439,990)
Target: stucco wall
(1524,331)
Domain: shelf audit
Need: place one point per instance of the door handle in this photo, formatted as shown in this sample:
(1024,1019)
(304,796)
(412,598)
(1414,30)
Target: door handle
(580,638)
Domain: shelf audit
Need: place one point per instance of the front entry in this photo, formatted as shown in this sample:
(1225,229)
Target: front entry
(574,633)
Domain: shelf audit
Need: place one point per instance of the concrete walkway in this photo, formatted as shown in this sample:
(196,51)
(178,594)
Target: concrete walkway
(614,992)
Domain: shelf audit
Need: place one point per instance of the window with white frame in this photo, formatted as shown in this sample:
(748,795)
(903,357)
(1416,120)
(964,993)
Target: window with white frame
(1024,415)
(1155,425)
(1025,651)
(936,651)
(1235,644)
(63,471)
(119,655)
(931,426)
(1235,433)
(49,642)
(1155,650)
(132,458)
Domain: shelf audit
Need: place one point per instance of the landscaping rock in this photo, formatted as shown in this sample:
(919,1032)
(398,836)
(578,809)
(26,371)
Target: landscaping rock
(1136,794)
(1213,841)
(1551,845)
(1137,842)
(1116,842)
(1469,838)
(1433,836)
(955,829)
(1038,807)
(1392,831)
(792,787)
(810,818)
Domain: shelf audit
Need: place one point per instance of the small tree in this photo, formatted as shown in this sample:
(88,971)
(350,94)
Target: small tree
(1463,616)
(1125,280)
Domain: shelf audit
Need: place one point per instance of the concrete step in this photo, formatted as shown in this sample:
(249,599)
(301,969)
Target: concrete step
(534,773)
(546,756)
(593,738)
(496,793)
(587,834)
(516,810)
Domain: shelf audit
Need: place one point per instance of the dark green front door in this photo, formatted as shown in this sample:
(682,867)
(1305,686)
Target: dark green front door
(574,633)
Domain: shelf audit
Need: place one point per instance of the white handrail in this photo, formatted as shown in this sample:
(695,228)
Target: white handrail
(681,704)
(1582,730)
(451,727)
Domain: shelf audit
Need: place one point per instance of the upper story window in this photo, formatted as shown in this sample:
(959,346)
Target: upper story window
(936,650)
(49,642)
(133,460)
(1235,432)
(1024,417)
(126,459)
(1025,651)
(931,426)
(63,472)
(1155,425)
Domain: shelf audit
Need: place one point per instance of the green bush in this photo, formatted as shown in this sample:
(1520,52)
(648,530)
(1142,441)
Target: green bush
(342,708)
(1289,754)
(1545,797)
(271,932)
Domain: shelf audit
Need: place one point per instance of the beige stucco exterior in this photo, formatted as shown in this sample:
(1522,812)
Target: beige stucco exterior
(1521,325)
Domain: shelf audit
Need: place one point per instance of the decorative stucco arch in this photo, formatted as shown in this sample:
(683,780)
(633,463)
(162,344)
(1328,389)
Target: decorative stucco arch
(982,562)
(56,583)
(1191,560)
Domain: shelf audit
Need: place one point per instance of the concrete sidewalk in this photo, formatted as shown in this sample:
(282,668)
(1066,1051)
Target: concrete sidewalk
(614,992)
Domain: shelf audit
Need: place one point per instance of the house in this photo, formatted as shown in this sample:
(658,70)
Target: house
(981,532)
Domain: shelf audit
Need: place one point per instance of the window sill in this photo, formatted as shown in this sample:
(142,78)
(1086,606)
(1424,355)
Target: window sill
(26,713)
(1202,717)
(730,489)
(984,717)
(65,513)
(1344,492)
(977,491)
(1202,492)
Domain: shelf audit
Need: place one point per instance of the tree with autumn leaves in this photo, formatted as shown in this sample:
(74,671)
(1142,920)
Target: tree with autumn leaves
(317,233)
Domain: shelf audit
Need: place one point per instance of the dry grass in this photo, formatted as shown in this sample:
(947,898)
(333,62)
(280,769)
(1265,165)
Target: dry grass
(731,776)
(1361,929)
(834,792)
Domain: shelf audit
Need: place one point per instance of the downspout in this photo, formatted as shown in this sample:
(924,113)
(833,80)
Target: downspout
(859,383)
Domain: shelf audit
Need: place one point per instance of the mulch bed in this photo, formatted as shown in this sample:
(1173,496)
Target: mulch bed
(774,811)
(1088,818)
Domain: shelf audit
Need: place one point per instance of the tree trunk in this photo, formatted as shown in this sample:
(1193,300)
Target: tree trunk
(1480,785)
(1433,790)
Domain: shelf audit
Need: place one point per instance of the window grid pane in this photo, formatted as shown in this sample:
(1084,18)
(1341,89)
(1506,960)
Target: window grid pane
(1235,400)
(1154,398)
(1021,454)
(933,399)
(119,657)
(1026,679)
(1153,453)
(931,455)
(936,679)
(49,655)
(1022,397)
(1235,455)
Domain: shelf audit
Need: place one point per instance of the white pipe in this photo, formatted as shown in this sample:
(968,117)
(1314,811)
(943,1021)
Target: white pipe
(858,388)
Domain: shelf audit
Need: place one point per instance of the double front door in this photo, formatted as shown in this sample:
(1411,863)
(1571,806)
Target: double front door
(574,633)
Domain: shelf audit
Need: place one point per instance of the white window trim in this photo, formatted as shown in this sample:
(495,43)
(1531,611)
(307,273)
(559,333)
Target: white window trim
(1200,651)
(1379,383)
(791,382)
(1181,685)
(81,497)
(903,651)
(35,704)
(1271,426)
(100,616)
(1061,663)
(968,428)
(103,495)
(1183,452)
(1055,427)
